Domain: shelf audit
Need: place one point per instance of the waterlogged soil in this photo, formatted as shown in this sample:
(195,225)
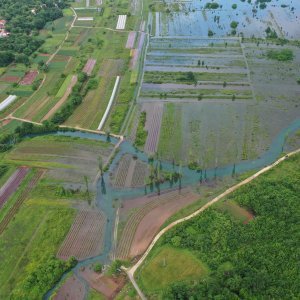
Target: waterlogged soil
(72,289)
(194,20)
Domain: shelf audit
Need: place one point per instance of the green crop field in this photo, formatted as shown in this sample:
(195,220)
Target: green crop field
(24,252)
(172,265)
(64,86)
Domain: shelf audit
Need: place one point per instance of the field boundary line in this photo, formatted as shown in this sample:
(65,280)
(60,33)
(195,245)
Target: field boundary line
(114,250)
(130,271)
(248,70)
(66,37)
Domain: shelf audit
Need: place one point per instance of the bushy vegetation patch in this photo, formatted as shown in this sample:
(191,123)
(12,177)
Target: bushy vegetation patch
(141,134)
(281,55)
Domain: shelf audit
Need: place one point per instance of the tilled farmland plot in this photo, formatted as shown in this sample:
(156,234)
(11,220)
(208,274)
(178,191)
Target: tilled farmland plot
(146,215)
(85,238)
(130,173)
(67,159)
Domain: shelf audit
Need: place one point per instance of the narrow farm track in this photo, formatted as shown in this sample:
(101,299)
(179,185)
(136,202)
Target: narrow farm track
(117,136)
(130,271)
(9,216)
(66,37)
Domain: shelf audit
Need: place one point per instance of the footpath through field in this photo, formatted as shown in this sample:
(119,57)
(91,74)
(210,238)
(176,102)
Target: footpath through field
(130,271)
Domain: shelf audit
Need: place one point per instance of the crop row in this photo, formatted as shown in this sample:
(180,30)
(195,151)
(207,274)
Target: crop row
(139,174)
(122,171)
(85,238)
(153,127)
(134,220)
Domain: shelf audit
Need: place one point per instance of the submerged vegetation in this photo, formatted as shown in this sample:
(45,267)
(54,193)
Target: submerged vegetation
(281,55)
(141,134)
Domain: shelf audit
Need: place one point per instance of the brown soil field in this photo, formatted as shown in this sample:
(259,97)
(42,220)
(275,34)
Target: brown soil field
(139,228)
(152,222)
(89,66)
(68,160)
(29,78)
(85,238)
(107,286)
(72,289)
(32,111)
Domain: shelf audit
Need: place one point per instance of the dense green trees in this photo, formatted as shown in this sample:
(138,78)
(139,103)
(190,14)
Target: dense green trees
(38,282)
(257,260)
(24,19)
(281,55)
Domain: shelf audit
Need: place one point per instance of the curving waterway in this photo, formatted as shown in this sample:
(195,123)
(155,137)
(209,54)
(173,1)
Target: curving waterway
(106,193)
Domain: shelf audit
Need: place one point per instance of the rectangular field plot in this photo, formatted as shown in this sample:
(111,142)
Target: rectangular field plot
(91,111)
(85,238)
(154,113)
(199,68)
(210,134)
(130,173)
(68,159)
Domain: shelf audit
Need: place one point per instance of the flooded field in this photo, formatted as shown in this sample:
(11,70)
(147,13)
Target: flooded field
(224,99)
(196,18)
